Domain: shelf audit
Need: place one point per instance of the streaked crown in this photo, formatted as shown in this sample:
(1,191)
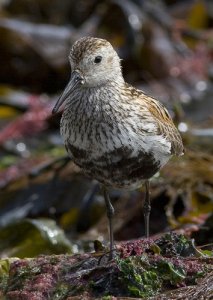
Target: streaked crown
(96,60)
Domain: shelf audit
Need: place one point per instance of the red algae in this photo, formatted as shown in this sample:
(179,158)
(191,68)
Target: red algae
(136,247)
(24,295)
(140,268)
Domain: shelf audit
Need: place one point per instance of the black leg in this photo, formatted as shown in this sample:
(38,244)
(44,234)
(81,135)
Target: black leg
(147,208)
(110,214)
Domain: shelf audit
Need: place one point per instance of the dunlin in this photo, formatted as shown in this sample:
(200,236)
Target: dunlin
(117,134)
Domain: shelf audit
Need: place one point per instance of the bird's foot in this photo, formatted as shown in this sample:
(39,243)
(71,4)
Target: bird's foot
(107,257)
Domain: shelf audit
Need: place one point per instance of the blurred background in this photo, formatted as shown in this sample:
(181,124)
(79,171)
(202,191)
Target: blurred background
(46,204)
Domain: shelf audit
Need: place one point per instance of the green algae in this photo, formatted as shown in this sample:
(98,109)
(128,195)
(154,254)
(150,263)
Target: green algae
(167,271)
(60,292)
(4,273)
(176,245)
(107,298)
(145,276)
(137,274)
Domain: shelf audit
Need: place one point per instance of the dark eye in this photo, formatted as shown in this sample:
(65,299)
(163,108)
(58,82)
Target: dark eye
(98,59)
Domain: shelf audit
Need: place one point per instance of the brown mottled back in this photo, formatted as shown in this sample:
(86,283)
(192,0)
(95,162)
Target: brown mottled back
(160,114)
(165,124)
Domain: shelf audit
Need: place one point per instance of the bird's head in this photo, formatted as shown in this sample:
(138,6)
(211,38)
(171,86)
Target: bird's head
(94,63)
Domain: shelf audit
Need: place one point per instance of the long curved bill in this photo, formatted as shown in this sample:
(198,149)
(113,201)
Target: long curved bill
(75,80)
